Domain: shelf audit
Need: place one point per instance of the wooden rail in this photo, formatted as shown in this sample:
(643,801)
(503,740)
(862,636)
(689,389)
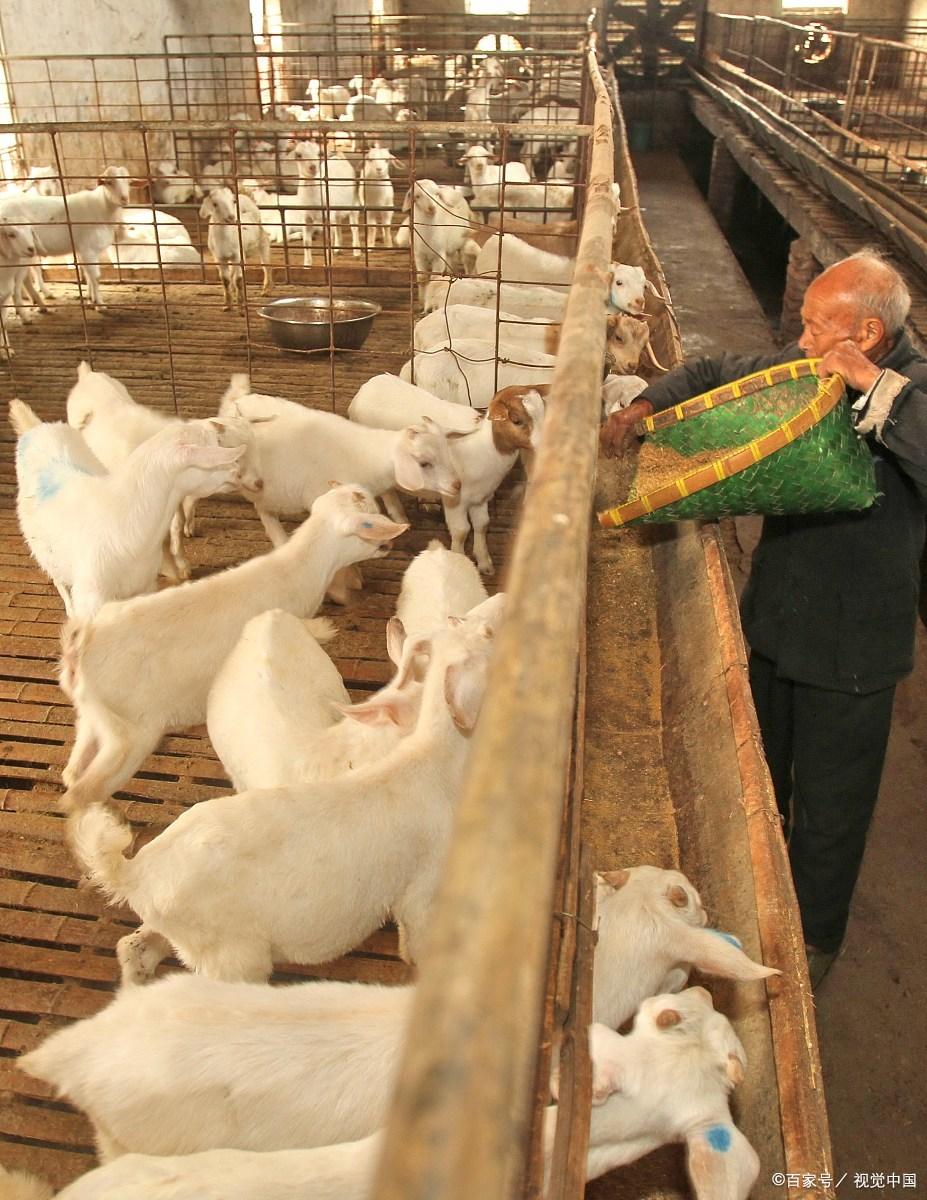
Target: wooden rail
(460,1122)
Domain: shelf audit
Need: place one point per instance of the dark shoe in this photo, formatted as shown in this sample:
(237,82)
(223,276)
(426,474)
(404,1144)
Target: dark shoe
(819,963)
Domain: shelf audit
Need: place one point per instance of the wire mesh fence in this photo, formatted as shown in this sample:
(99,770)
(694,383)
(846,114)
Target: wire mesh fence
(327,205)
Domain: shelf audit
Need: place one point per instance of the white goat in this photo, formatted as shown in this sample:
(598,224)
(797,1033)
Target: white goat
(327,188)
(441,223)
(618,391)
(524,300)
(341,1172)
(100,537)
(294,1050)
(43,180)
(669,1080)
(171,186)
(486,175)
(448,324)
(234,233)
(81,224)
(653,923)
(300,449)
(273,708)
(113,425)
(147,237)
(470,373)
(126,697)
(294,1085)
(279,213)
(17,259)
(386,401)
(482,459)
(375,193)
(341,853)
(522,263)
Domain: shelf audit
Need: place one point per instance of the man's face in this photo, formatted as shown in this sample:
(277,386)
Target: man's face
(827,318)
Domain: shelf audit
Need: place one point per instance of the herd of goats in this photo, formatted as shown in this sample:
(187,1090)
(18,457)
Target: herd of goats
(211,1082)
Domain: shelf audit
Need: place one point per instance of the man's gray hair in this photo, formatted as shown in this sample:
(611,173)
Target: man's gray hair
(886,295)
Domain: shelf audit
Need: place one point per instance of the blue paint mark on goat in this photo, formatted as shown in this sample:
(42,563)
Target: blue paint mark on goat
(719,1138)
(53,476)
(728,937)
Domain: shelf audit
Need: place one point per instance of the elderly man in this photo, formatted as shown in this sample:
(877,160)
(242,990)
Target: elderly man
(829,609)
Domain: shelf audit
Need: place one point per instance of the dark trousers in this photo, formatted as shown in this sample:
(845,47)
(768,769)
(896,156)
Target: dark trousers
(825,752)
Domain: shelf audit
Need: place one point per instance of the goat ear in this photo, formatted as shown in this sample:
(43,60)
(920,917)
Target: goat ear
(395,638)
(677,896)
(407,201)
(206,207)
(615,879)
(392,708)
(397,163)
(208,458)
(409,473)
(83,368)
(713,953)
(721,1162)
(605,1052)
(463,692)
(373,527)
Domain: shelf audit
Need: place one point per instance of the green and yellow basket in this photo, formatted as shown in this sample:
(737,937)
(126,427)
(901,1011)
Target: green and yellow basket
(779,441)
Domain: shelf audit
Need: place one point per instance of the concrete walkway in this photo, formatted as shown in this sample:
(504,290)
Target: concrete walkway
(872,1019)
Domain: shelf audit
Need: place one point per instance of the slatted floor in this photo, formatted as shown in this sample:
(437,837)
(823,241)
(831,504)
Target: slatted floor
(57,936)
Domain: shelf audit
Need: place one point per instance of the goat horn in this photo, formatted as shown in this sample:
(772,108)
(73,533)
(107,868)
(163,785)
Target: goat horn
(653,359)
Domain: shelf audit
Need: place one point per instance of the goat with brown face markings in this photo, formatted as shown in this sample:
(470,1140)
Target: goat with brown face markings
(483,458)
(627,340)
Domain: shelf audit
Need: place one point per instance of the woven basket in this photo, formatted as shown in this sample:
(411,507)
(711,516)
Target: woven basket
(779,441)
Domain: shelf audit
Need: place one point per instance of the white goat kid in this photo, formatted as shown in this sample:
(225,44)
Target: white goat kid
(81,223)
(523,300)
(388,402)
(448,324)
(654,926)
(375,194)
(303,1049)
(669,1080)
(273,709)
(281,215)
(301,449)
(17,259)
(113,425)
(99,536)
(342,853)
(341,1172)
(469,372)
(482,458)
(126,697)
(486,175)
(441,223)
(235,232)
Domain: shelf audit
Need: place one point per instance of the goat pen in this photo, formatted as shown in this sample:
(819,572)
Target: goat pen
(583,761)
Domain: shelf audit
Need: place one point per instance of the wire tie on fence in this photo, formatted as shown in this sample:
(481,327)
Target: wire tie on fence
(594,933)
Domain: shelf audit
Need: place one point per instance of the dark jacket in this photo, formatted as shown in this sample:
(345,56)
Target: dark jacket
(832,598)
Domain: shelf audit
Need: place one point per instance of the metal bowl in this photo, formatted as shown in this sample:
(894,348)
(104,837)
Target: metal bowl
(315,322)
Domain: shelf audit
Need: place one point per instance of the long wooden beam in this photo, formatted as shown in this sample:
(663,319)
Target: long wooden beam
(460,1122)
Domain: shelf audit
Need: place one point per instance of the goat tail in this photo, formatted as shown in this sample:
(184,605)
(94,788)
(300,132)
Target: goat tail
(239,386)
(99,838)
(19,1185)
(75,634)
(321,628)
(22,418)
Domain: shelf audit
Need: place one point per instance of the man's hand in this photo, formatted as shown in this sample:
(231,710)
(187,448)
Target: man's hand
(617,430)
(847,360)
